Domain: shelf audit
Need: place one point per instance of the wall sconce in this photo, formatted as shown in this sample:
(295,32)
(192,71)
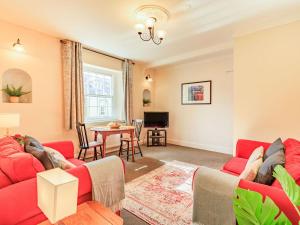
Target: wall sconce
(148,78)
(18,46)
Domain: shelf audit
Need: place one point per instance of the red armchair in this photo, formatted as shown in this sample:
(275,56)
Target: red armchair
(18,201)
(236,165)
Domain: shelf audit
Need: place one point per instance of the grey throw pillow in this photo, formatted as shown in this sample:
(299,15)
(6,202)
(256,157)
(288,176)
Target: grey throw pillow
(32,142)
(44,157)
(265,172)
(276,146)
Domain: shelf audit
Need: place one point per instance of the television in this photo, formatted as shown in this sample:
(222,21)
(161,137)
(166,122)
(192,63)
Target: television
(156,119)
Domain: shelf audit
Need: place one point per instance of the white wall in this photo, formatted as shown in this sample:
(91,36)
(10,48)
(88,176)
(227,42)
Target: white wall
(267,84)
(207,127)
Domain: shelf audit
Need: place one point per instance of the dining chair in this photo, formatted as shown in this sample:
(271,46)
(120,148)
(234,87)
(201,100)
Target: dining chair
(84,143)
(138,124)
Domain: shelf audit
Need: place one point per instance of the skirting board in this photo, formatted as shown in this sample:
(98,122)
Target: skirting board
(213,148)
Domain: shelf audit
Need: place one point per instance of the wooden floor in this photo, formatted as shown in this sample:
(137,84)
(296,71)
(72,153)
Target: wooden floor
(154,157)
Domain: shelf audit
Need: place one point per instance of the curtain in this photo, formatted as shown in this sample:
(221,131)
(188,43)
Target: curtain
(73,83)
(127,84)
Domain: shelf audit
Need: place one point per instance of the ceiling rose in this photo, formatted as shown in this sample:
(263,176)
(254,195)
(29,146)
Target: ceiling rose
(150,17)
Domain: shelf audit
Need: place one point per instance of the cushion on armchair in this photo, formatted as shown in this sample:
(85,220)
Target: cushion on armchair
(292,160)
(235,165)
(276,146)
(265,172)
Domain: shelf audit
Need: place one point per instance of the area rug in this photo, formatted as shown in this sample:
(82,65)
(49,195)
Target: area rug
(163,196)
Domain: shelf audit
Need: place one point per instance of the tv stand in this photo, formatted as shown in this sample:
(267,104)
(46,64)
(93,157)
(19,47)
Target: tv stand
(156,137)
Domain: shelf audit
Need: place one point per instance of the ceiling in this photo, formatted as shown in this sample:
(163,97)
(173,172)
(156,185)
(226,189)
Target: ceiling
(196,27)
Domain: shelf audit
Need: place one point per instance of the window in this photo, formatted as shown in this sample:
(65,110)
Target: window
(103,94)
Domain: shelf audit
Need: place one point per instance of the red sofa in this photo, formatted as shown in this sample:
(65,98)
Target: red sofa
(18,201)
(236,165)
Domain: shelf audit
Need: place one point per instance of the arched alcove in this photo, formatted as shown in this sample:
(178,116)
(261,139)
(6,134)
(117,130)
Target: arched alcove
(17,78)
(146,97)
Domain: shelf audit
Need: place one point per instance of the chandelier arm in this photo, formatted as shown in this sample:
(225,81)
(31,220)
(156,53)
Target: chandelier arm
(157,42)
(151,34)
(140,34)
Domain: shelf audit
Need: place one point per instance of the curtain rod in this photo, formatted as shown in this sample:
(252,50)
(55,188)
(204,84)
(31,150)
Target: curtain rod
(101,53)
(114,57)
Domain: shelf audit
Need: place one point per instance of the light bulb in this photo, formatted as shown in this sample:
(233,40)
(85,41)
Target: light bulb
(18,46)
(161,34)
(150,22)
(139,27)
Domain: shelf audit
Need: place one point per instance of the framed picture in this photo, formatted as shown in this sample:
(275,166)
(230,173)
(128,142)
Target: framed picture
(196,93)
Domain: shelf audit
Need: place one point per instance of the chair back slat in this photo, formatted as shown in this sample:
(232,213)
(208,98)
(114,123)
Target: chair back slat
(82,135)
(138,124)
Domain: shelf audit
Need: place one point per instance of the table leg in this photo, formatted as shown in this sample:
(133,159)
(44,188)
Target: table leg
(95,135)
(132,143)
(104,144)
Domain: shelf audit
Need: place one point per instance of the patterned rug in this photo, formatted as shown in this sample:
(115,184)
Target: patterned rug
(163,196)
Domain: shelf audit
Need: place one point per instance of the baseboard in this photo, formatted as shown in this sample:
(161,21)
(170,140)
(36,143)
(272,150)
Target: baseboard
(212,148)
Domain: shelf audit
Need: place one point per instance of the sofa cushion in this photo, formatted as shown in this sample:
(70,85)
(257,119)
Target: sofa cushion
(58,159)
(292,160)
(265,172)
(4,180)
(235,165)
(33,142)
(20,166)
(76,162)
(276,146)
(258,153)
(292,147)
(244,148)
(44,157)
(250,172)
(9,146)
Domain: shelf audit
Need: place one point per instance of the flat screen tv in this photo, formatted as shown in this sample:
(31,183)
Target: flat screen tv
(156,119)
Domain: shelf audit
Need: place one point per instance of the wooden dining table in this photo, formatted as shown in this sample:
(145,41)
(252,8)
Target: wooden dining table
(106,131)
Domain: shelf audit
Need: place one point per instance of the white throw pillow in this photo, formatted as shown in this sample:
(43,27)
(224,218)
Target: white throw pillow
(251,170)
(256,154)
(59,160)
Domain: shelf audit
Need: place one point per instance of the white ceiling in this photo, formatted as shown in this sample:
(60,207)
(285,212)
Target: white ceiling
(196,27)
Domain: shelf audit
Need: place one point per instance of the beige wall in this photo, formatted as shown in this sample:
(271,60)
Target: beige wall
(43,118)
(267,84)
(207,127)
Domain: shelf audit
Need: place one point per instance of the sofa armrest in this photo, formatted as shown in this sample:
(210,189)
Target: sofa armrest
(244,148)
(85,183)
(66,148)
(277,195)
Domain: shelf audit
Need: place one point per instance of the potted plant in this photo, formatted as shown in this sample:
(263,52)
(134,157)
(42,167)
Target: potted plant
(146,102)
(251,208)
(14,93)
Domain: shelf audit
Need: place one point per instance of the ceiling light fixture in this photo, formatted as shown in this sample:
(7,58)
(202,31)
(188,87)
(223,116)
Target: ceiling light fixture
(18,46)
(150,16)
(148,78)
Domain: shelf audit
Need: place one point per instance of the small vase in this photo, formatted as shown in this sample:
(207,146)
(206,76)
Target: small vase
(14,99)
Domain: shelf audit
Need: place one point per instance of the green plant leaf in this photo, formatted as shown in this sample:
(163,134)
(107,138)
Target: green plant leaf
(12,91)
(250,209)
(288,184)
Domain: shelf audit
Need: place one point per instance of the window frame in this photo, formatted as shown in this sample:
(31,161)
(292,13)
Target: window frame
(106,72)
